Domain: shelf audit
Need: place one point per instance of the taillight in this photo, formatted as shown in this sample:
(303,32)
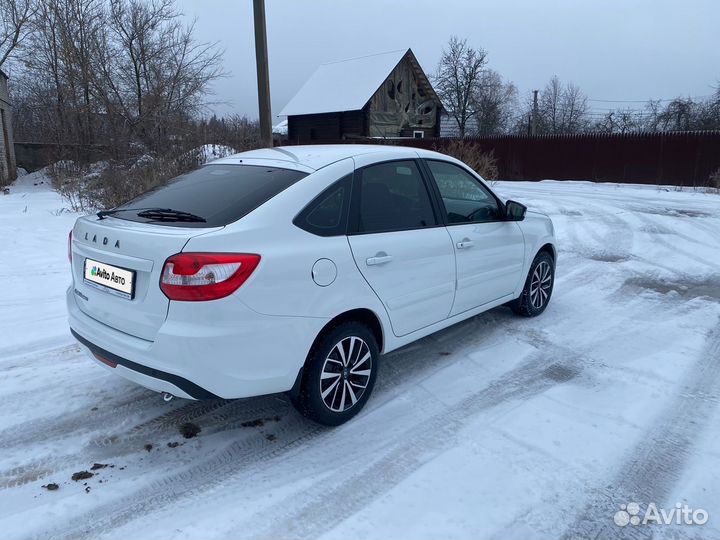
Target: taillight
(70,246)
(194,277)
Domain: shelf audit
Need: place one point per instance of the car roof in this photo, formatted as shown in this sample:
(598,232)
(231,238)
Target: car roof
(313,157)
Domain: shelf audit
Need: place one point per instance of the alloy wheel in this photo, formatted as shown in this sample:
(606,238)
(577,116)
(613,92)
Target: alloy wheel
(345,374)
(540,285)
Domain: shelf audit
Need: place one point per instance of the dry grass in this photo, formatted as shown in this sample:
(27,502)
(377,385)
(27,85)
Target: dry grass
(483,163)
(714,180)
(108,184)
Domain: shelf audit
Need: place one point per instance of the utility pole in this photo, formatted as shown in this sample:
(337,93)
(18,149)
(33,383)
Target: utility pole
(263,74)
(533,123)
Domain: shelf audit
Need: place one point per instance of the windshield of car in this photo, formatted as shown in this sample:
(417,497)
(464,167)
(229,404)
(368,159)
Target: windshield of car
(211,196)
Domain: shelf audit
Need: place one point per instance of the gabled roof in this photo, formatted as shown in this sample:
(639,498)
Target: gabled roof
(347,85)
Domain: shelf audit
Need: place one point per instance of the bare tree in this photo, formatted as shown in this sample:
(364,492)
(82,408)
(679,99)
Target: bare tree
(574,109)
(495,103)
(15,17)
(161,71)
(456,80)
(113,72)
(619,121)
(561,109)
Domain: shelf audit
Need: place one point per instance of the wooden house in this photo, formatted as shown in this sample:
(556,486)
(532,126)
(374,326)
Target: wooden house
(382,95)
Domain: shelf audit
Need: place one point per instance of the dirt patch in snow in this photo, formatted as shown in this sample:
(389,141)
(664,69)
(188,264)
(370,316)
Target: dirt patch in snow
(672,212)
(609,257)
(560,373)
(189,430)
(686,289)
(260,422)
(82,475)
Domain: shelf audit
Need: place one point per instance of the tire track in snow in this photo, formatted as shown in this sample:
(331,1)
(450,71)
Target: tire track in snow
(78,422)
(654,466)
(430,421)
(356,485)
(293,434)
(674,247)
(220,416)
(45,347)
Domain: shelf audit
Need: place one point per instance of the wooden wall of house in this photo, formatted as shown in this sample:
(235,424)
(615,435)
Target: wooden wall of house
(402,105)
(339,125)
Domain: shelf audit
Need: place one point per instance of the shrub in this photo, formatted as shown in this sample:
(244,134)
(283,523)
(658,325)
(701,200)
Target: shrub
(124,181)
(714,180)
(108,184)
(483,163)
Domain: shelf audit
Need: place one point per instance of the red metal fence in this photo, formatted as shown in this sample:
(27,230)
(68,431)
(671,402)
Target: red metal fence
(676,158)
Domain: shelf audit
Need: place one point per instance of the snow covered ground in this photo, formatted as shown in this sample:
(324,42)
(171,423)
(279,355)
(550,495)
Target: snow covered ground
(498,427)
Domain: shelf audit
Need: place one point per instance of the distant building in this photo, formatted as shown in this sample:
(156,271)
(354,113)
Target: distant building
(449,126)
(8,171)
(381,95)
(280,133)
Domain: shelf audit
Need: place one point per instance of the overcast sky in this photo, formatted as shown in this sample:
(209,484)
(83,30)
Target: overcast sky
(612,49)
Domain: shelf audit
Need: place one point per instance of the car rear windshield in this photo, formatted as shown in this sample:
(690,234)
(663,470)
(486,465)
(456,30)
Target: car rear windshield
(213,195)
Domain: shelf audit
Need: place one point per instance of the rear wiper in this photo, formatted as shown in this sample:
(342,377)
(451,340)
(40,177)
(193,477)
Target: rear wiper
(104,213)
(156,214)
(168,214)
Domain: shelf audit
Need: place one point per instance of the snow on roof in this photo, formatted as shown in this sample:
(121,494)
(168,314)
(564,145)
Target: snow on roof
(281,128)
(346,85)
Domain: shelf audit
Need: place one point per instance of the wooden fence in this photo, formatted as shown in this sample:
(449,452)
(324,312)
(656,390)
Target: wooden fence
(674,158)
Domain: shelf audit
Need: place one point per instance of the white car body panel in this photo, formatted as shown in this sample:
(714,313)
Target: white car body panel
(489,259)
(417,283)
(256,340)
(134,246)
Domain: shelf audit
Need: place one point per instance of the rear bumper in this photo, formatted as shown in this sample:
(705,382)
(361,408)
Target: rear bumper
(199,354)
(189,388)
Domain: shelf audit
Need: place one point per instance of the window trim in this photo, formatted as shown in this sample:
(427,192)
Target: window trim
(474,176)
(354,214)
(344,218)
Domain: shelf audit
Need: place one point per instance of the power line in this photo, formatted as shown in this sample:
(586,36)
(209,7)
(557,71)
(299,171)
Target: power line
(646,100)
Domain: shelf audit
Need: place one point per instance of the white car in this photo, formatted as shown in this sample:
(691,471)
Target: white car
(293,269)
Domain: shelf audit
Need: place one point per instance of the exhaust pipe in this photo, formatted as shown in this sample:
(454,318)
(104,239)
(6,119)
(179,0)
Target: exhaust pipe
(167,396)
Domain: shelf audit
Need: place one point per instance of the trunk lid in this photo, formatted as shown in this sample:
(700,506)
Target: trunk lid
(138,247)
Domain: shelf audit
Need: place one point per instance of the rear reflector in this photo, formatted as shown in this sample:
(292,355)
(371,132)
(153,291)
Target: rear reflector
(194,277)
(105,360)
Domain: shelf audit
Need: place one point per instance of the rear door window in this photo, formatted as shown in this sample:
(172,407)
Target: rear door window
(219,194)
(392,196)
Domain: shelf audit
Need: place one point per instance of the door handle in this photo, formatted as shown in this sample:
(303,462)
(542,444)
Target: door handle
(465,243)
(378,259)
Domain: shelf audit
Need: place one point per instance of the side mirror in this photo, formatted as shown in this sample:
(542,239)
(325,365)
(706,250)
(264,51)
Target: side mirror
(514,211)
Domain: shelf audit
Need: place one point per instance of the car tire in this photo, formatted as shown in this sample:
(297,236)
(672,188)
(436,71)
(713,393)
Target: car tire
(339,374)
(538,287)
